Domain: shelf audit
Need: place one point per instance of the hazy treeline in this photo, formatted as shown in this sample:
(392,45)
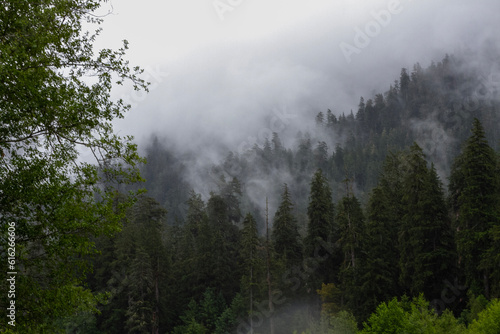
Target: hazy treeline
(398,199)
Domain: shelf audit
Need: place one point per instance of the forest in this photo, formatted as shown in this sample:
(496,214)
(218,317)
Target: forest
(383,219)
(386,220)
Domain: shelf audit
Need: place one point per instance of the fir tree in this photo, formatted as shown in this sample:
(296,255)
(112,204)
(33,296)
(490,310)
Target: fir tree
(474,198)
(425,240)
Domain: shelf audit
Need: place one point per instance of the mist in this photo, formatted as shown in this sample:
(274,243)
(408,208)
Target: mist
(232,115)
(223,93)
(237,83)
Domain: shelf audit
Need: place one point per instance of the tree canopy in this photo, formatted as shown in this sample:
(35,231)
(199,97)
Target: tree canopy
(55,102)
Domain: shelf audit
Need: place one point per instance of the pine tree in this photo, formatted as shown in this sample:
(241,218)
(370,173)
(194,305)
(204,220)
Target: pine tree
(285,235)
(474,198)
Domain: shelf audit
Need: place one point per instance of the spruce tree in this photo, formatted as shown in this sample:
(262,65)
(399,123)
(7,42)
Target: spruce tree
(285,234)
(474,198)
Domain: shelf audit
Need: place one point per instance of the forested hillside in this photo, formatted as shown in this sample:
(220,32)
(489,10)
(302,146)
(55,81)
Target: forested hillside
(434,107)
(384,216)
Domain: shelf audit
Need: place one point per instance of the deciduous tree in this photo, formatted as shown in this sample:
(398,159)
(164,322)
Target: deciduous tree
(55,102)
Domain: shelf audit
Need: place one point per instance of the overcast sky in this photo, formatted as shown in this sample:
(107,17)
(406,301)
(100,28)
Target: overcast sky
(231,70)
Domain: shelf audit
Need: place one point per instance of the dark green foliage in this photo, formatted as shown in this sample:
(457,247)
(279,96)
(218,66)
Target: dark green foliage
(216,274)
(425,238)
(165,180)
(220,254)
(320,229)
(285,235)
(320,212)
(137,273)
(350,221)
(252,253)
(231,193)
(474,196)
(49,113)
(379,276)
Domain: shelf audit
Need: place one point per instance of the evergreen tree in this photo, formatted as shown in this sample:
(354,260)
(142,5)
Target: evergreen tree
(277,145)
(474,198)
(320,118)
(320,212)
(425,238)
(350,220)
(231,193)
(304,154)
(379,275)
(191,265)
(139,274)
(331,119)
(285,235)
(253,270)
(321,155)
(404,83)
(221,252)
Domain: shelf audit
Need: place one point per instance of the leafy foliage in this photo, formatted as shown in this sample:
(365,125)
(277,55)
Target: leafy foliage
(50,111)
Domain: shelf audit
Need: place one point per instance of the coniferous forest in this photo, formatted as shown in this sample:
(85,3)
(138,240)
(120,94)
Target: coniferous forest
(380,219)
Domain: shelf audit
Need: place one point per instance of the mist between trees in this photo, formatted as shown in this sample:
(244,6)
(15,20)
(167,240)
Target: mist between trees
(383,219)
(355,236)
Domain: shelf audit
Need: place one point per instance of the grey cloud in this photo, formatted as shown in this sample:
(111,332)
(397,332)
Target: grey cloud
(226,93)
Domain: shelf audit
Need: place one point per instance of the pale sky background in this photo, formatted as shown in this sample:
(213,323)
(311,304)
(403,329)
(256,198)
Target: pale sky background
(228,78)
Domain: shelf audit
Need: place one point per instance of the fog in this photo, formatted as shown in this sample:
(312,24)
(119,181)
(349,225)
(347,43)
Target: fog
(224,77)
(223,90)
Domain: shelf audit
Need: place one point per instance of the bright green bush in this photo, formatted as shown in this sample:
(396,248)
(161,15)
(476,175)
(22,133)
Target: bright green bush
(488,321)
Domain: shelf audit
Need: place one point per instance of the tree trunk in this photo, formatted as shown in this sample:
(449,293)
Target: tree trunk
(269,290)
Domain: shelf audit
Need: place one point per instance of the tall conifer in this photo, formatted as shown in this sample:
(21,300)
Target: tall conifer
(285,234)
(474,196)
